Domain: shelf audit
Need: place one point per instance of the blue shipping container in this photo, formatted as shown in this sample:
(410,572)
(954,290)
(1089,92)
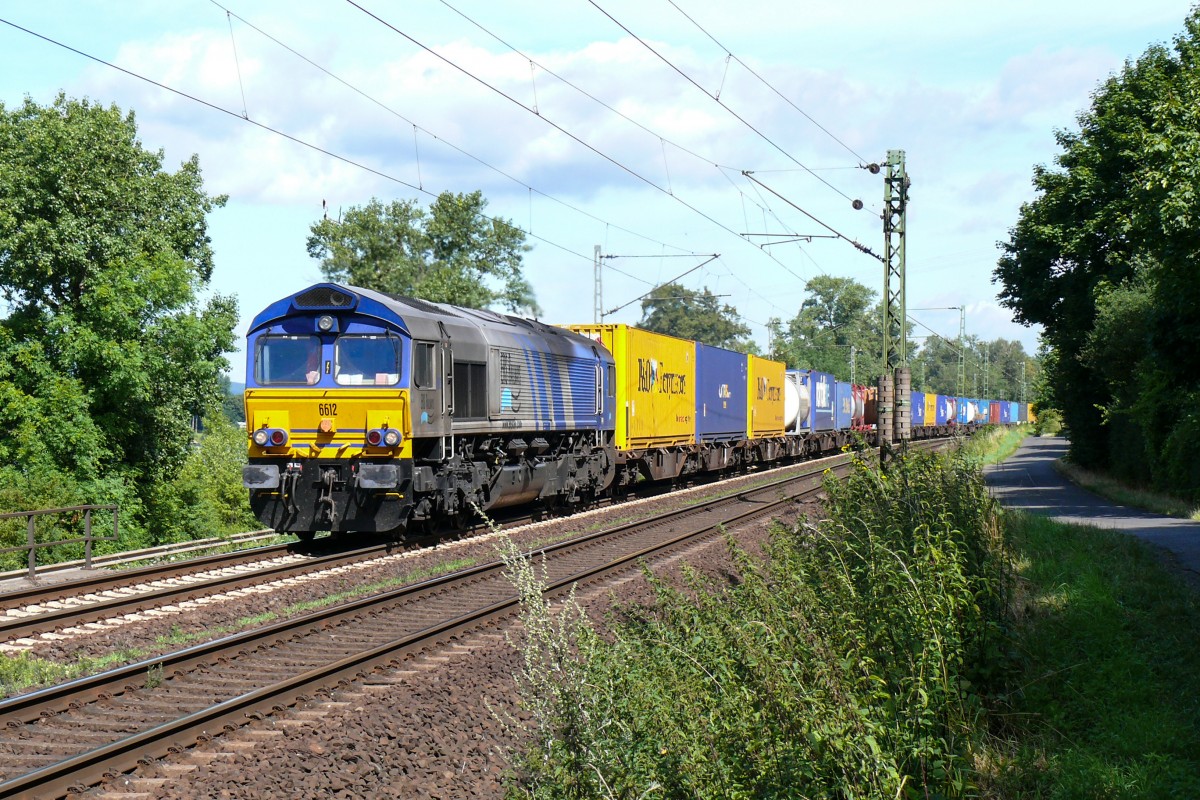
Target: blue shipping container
(720,394)
(843,405)
(823,397)
(1005,412)
(947,410)
(918,409)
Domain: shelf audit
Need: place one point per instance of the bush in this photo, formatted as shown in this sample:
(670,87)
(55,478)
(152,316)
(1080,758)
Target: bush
(846,663)
(1049,422)
(207,497)
(44,488)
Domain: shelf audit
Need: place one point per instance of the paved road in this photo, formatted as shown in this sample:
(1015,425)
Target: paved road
(1028,481)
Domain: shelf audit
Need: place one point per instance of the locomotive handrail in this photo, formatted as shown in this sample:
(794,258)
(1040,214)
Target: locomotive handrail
(31,544)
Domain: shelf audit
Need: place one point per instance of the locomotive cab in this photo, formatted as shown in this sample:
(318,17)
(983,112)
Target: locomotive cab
(327,415)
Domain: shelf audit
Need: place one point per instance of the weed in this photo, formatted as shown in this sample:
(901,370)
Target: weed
(845,663)
(154,676)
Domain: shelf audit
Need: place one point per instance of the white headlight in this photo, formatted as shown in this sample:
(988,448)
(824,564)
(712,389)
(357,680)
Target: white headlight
(392,437)
(261,436)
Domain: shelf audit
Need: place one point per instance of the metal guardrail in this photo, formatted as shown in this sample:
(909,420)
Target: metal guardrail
(32,544)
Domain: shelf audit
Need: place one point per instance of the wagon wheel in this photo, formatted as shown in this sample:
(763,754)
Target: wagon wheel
(423,526)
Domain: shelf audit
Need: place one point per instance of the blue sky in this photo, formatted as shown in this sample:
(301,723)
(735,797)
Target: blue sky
(971,93)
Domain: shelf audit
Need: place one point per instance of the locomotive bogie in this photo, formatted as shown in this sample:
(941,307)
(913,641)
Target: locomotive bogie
(312,494)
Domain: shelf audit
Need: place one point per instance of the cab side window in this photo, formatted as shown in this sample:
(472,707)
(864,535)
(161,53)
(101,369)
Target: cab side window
(423,372)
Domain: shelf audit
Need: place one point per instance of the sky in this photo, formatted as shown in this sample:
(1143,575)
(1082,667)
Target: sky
(625,125)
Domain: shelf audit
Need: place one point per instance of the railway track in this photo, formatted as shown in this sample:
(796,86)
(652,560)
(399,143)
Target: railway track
(68,606)
(71,736)
(30,615)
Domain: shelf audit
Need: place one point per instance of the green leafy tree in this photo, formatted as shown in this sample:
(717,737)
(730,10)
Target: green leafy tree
(233,403)
(1104,258)
(108,350)
(836,316)
(678,311)
(451,253)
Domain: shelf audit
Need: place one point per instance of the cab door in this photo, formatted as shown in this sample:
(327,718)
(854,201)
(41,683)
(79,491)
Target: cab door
(428,406)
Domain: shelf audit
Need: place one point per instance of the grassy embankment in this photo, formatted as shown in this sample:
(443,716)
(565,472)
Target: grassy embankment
(1105,700)
(903,648)
(1127,495)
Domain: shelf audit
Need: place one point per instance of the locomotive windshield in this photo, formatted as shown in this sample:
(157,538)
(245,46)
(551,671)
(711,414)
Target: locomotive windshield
(367,361)
(287,360)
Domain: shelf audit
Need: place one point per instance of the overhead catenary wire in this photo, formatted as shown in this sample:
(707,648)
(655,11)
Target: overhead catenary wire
(374,170)
(275,131)
(664,283)
(624,167)
(717,100)
(663,140)
(729,54)
(436,137)
(858,246)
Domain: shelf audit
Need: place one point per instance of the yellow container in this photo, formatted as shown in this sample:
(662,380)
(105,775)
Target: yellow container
(655,385)
(764,396)
(1029,413)
(930,408)
(328,423)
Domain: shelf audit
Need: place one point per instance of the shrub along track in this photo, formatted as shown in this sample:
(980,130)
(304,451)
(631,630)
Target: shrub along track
(75,734)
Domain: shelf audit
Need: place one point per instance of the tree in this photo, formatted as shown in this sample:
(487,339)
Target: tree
(835,317)
(108,351)
(1104,258)
(233,404)
(449,254)
(678,311)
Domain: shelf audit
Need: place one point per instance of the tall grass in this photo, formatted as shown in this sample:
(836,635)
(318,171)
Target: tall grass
(1106,703)
(1121,492)
(845,663)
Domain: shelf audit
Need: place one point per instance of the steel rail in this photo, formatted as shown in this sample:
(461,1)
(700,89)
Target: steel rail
(54,619)
(107,580)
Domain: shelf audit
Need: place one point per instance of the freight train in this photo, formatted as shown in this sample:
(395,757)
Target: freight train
(371,412)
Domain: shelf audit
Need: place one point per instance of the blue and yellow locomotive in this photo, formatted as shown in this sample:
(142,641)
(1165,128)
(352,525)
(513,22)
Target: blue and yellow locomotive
(368,412)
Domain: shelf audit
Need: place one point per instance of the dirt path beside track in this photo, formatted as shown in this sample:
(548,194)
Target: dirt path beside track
(1028,481)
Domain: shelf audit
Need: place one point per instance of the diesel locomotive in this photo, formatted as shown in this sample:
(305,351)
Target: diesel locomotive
(367,412)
